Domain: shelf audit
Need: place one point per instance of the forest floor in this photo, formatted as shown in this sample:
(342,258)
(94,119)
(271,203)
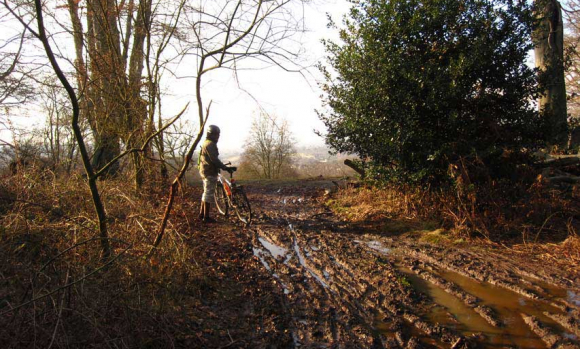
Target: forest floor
(313,270)
(302,276)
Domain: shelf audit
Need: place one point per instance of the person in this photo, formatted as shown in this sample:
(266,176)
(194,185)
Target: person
(209,167)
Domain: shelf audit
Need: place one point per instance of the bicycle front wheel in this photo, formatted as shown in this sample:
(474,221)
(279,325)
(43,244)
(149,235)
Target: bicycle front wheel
(242,205)
(221,201)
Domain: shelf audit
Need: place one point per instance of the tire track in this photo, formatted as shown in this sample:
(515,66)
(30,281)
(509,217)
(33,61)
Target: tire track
(344,290)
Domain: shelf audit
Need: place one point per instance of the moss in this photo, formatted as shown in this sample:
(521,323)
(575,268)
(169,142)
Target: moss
(404,281)
(435,236)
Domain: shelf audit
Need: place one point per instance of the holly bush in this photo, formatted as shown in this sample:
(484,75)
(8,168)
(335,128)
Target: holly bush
(414,86)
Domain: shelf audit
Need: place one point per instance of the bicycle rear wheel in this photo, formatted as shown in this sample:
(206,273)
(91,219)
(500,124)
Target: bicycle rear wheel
(242,205)
(221,201)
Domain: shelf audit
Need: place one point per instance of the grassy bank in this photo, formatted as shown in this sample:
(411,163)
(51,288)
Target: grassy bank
(532,218)
(56,291)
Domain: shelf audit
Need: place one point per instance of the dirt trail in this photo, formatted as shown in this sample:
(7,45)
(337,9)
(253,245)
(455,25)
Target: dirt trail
(344,288)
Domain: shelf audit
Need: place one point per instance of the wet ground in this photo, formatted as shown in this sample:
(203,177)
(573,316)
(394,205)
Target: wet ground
(344,287)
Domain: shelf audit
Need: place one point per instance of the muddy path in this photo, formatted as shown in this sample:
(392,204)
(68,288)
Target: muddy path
(343,287)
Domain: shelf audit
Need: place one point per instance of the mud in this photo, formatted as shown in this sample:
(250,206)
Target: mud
(567,321)
(342,287)
(552,339)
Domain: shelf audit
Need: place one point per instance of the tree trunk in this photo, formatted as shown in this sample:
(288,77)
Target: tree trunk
(136,114)
(108,81)
(106,149)
(91,179)
(549,57)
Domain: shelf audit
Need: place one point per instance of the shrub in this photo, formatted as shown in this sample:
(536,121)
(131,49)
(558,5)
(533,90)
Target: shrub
(416,85)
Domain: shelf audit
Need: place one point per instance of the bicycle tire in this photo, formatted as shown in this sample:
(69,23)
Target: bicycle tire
(221,200)
(242,206)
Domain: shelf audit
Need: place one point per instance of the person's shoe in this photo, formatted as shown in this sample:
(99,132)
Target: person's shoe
(206,211)
(209,220)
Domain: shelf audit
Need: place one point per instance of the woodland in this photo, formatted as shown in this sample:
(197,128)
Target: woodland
(444,212)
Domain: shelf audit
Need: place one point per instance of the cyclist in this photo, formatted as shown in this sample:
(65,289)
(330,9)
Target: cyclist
(209,166)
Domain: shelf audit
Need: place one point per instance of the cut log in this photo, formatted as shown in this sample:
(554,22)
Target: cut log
(355,167)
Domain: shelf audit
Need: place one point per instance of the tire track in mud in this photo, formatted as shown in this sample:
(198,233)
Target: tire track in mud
(344,290)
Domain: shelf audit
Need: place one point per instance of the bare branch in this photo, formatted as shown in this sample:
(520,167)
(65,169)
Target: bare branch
(143,147)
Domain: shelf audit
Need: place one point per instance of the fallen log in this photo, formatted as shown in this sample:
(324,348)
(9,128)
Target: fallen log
(564,179)
(558,162)
(357,168)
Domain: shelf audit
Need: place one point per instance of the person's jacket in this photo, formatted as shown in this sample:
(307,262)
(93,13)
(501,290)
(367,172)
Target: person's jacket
(209,162)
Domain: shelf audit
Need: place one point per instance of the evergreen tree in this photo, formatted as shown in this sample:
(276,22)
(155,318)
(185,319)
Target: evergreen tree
(415,85)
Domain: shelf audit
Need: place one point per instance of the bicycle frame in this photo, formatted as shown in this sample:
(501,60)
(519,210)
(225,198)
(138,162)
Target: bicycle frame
(229,185)
(235,198)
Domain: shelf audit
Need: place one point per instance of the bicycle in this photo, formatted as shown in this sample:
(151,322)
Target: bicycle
(229,194)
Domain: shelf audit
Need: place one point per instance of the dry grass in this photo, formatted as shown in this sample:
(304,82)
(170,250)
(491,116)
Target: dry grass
(56,291)
(564,254)
(533,221)
(368,203)
(53,279)
(506,212)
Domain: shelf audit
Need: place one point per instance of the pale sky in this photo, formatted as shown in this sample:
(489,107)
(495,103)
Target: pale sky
(291,96)
(288,95)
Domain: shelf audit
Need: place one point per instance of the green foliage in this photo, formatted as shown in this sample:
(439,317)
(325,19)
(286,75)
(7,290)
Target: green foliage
(416,85)
(404,281)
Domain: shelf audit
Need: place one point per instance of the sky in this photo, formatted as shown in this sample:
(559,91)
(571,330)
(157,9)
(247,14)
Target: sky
(236,100)
(291,96)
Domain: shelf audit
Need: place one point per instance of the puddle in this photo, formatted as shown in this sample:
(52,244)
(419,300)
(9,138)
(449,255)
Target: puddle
(295,340)
(284,286)
(303,263)
(377,246)
(556,293)
(260,254)
(573,298)
(452,313)
(499,297)
(383,327)
(275,250)
(508,306)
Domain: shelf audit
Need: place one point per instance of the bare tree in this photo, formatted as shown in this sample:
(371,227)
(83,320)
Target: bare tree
(16,87)
(269,147)
(176,142)
(59,145)
(571,44)
(91,176)
(224,33)
(120,41)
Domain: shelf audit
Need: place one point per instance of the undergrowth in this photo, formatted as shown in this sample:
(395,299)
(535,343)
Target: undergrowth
(504,212)
(56,291)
